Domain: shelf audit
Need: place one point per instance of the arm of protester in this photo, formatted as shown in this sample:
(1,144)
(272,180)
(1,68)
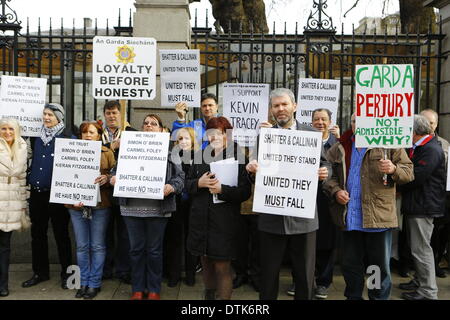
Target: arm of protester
(176,178)
(241,192)
(334,130)
(324,163)
(404,169)
(332,185)
(424,165)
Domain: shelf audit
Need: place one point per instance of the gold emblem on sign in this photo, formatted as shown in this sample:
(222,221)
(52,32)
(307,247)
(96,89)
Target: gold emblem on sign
(125,54)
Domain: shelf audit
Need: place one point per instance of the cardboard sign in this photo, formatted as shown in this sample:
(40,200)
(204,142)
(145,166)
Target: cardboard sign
(23,99)
(142,164)
(76,165)
(287,178)
(180,77)
(246,105)
(384,106)
(124,68)
(317,94)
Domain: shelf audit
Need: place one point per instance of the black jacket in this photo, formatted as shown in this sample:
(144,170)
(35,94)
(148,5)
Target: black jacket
(212,227)
(425,196)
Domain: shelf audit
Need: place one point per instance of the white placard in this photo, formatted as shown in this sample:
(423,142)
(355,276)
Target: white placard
(226,171)
(287,178)
(142,164)
(246,105)
(314,94)
(23,99)
(76,165)
(384,105)
(448,171)
(180,77)
(124,68)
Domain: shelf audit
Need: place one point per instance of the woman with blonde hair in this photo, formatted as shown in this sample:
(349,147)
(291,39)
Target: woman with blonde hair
(13,193)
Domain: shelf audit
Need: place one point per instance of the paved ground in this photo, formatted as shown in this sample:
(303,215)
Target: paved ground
(114,290)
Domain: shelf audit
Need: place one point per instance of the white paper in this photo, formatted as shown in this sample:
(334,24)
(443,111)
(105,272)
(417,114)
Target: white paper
(226,172)
(180,77)
(246,105)
(314,94)
(142,165)
(23,99)
(287,178)
(76,165)
(124,68)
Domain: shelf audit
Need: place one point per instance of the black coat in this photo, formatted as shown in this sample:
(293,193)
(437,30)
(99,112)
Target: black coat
(212,227)
(425,196)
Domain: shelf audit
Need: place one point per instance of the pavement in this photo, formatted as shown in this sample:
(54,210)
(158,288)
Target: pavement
(115,290)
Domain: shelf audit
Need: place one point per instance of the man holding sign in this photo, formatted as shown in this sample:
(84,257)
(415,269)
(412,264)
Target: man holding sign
(278,232)
(363,206)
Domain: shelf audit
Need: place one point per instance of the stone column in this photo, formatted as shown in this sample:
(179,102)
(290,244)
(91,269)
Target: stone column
(444,117)
(168,21)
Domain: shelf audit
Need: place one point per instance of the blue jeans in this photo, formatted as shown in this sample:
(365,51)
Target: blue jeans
(91,248)
(146,246)
(360,250)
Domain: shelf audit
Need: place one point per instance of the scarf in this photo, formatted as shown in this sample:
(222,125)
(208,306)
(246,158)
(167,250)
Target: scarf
(47,134)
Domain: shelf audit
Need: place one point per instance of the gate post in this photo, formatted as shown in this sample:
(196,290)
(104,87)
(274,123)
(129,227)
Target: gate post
(168,21)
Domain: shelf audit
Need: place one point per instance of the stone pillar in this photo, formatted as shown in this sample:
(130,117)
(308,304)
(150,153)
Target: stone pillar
(444,117)
(168,21)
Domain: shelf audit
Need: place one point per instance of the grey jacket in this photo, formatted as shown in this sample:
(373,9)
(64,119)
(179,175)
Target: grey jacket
(292,225)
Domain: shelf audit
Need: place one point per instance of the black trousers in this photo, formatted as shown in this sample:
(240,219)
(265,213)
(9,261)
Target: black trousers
(247,260)
(302,249)
(175,244)
(5,250)
(117,261)
(41,211)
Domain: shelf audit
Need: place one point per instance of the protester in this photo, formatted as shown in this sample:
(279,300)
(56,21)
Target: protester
(423,200)
(440,238)
(41,210)
(13,192)
(365,209)
(209,107)
(146,220)
(90,223)
(178,224)
(117,263)
(281,233)
(212,226)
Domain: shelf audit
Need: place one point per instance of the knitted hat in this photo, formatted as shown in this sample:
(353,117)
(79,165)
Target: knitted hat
(57,109)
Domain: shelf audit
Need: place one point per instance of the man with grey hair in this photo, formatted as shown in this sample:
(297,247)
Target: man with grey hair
(423,199)
(279,233)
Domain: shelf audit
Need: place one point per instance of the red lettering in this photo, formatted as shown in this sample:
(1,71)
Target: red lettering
(409,99)
(359,102)
(369,105)
(377,107)
(398,106)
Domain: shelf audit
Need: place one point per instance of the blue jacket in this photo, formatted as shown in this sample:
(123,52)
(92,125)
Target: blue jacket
(199,126)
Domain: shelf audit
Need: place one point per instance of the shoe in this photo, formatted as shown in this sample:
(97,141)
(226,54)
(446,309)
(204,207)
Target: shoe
(412,285)
(413,296)
(321,292)
(255,284)
(171,283)
(239,281)
(137,296)
(34,280)
(91,293)
(81,292)
(440,273)
(190,279)
(153,296)
(403,271)
(291,290)
(4,293)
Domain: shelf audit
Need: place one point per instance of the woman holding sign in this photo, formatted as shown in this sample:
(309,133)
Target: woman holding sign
(215,209)
(13,193)
(90,223)
(146,221)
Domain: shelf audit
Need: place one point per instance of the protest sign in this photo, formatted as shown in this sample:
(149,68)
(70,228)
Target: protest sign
(246,105)
(314,94)
(384,106)
(287,178)
(226,171)
(180,77)
(124,68)
(76,165)
(23,99)
(142,164)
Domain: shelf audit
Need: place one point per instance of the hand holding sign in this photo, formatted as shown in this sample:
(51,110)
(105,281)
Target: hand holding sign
(216,188)
(181,108)
(252,167)
(334,130)
(342,197)
(386,166)
(323,173)
(168,189)
(207,180)
(101,180)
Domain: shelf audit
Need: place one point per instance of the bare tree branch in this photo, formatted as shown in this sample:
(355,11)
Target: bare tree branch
(354,5)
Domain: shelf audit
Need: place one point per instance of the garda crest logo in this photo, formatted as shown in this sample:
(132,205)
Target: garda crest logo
(125,54)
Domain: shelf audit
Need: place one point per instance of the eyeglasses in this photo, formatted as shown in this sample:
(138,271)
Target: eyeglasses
(151,123)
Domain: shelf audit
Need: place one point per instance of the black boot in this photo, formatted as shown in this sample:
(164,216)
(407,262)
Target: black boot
(91,293)
(81,292)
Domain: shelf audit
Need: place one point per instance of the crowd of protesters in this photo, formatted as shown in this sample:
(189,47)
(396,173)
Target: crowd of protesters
(364,195)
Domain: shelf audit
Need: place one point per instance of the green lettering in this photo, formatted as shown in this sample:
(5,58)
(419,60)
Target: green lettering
(408,75)
(386,72)
(365,83)
(395,72)
(376,75)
